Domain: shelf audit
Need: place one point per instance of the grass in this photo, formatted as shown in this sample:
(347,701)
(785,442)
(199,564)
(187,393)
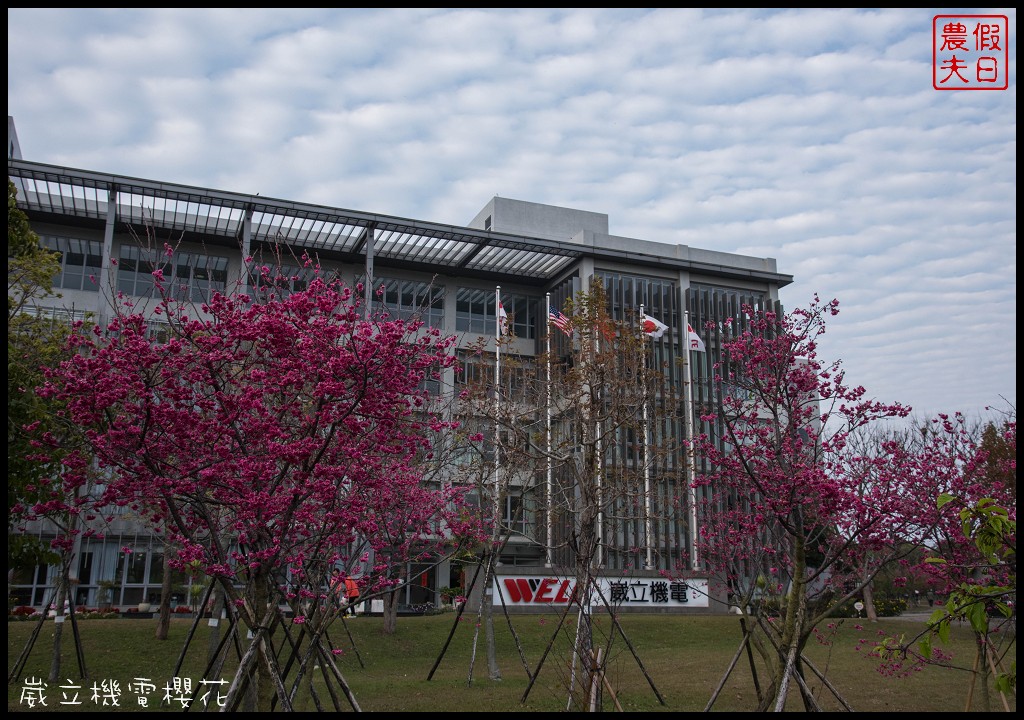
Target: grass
(685,658)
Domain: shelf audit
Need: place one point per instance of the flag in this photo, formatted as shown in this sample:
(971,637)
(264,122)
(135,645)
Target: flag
(560,321)
(654,328)
(695,342)
(502,319)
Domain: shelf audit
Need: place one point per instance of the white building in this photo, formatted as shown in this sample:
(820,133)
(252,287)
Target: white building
(447,274)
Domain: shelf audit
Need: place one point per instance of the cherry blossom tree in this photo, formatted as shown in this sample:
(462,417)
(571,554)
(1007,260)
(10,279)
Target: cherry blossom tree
(792,521)
(268,437)
(970,553)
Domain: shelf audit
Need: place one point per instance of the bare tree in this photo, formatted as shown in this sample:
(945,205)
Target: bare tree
(569,432)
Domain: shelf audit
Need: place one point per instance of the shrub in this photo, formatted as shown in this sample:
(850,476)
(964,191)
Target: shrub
(888,606)
(845,610)
(884,607)
(97,614)
(450,593)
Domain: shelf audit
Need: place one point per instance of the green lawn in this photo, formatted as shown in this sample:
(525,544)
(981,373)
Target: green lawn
(685,658)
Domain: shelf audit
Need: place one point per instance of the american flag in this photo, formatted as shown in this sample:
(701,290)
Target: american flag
(560,321)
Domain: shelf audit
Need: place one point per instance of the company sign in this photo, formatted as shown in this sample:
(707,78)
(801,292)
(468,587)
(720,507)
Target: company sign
(540,590)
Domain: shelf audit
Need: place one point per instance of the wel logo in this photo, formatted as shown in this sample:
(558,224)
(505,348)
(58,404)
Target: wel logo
(521,590)
(623,591)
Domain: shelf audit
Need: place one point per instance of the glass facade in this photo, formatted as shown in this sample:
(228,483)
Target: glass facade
(188,276)
(413,300)
(80,262)
(476,312)
(283,279)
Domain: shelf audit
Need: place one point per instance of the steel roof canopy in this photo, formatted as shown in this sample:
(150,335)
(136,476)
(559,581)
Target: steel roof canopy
(60,192)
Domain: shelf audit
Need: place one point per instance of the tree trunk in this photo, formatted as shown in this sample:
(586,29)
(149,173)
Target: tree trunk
(487,598)
(58,631)
(790,639)
(217,604)
(869,603)
(265,689)
(391,612)
(584,578)
(982,675)
(163,625)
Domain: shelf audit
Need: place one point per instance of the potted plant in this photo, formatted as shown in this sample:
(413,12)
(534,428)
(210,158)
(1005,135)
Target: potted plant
(105,593)
(195,593)
(449,594)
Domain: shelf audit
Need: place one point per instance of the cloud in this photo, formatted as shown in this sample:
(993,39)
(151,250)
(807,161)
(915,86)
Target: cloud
(810,136)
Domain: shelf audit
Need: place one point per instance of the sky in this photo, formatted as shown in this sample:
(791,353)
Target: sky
(814,137)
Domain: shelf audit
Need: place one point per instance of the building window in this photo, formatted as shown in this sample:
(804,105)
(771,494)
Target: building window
(158,332)
(473,442)
(430,383)
(197,277)
(414,300)
(476,312)
(135,272)
(61,316)
(515,507)
(522,315)
(29,586)
(80,262)
(473,369)
(626,293)
(188,276)
(518,374)
(284,279)
(514,512)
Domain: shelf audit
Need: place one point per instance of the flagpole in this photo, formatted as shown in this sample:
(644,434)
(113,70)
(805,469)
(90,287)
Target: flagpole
(598,449)
(648,531)
(548,493)
(688,419)
(497,421)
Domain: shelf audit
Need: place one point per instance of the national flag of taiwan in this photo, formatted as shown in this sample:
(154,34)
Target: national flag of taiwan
(654,328)
(695,342)
(502,319)
(560,321)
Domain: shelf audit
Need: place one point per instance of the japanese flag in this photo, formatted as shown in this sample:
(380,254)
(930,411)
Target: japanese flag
(653,328)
